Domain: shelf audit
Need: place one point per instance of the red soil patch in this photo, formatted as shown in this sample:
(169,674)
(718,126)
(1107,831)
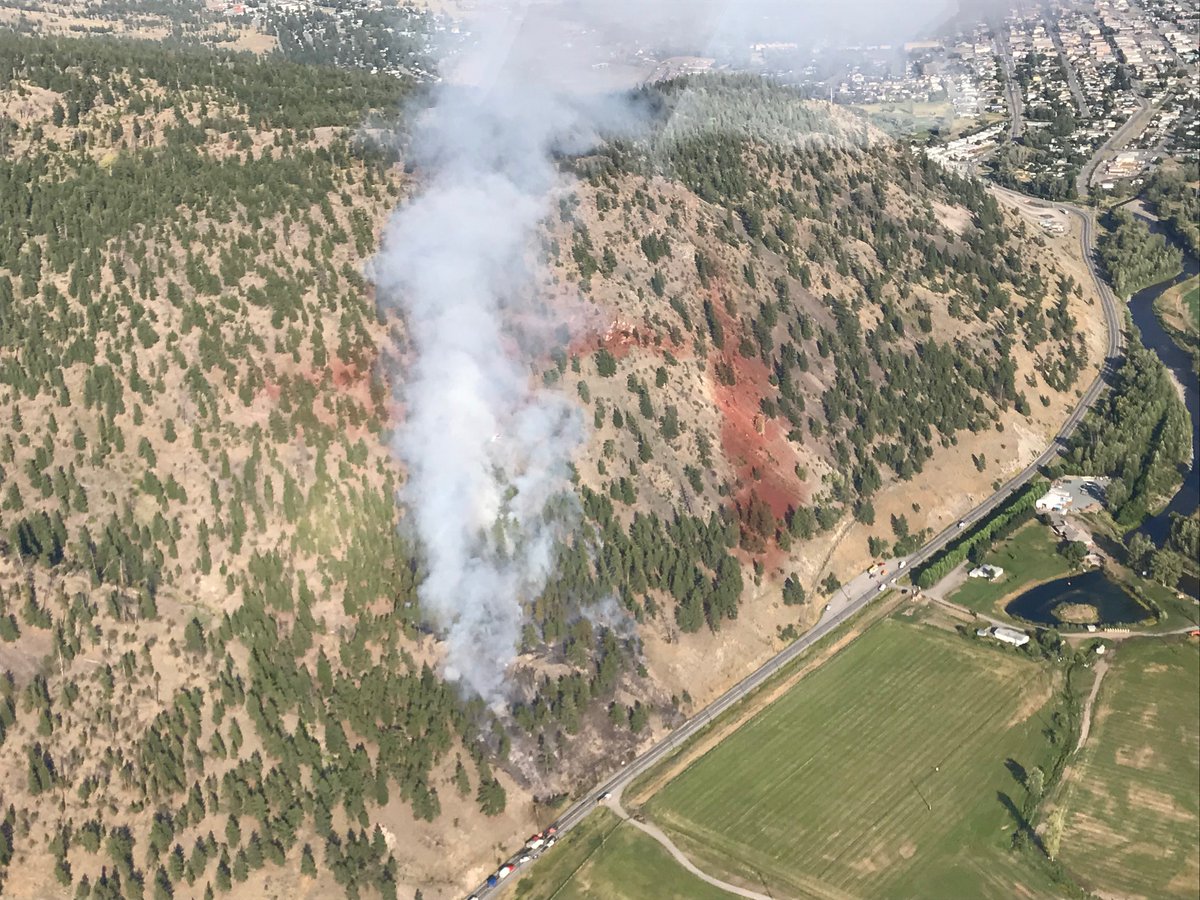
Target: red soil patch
(755,445)
(348,379)
(622,336)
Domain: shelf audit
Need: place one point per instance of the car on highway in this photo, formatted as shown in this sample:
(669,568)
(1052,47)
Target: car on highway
(603,796)
(962,524)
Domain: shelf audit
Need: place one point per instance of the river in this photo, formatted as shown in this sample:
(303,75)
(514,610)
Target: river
(1155,337)
(1113,605)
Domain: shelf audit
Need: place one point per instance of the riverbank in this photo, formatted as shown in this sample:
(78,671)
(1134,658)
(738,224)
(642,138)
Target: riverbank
(1179,360)
(1178,311)
(1136,254)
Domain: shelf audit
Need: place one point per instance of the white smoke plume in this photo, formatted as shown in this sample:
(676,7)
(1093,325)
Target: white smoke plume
(485,447)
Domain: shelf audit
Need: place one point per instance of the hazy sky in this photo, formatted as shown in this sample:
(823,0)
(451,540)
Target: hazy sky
(708,23)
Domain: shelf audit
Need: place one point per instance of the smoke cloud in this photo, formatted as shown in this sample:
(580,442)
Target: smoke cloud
(486,448)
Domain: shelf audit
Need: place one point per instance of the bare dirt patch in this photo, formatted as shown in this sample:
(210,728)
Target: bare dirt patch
(877,861)
(1141,758)
(1036,697)
(252,41)
(956,218)
(1186,880)
(1086,829)
(1162,804)
(705,663)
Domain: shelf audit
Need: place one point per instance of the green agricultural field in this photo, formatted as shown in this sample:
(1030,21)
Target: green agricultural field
(1132,799)
(892,771)
(1191,300)
(1184,299)
(604,859)
(1028,557)
(1178,308)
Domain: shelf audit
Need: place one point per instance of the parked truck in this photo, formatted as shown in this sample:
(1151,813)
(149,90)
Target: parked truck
(535,841)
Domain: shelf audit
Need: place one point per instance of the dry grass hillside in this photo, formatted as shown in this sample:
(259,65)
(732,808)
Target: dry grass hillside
(791,367)
(198,21)
(789,338)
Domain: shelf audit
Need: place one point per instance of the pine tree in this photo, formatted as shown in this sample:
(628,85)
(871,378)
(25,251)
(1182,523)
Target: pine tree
(193,636)
(491,797)
(308,865)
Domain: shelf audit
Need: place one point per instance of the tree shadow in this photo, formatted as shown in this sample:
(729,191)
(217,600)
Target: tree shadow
(1024,828)
(1111,548)
(1016,770)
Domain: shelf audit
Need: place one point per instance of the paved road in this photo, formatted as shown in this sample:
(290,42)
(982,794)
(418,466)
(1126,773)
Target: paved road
(1085,111)
(1012,90)
(1133,126)
(836,614)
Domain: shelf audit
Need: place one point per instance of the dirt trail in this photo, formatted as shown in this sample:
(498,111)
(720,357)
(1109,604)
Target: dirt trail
(968,614)
(614,802)
(1086,726)
(953,580)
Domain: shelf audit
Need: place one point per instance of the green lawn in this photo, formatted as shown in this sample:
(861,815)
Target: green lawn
(1028,557)
(885,773)
(1133,801)
(604,859)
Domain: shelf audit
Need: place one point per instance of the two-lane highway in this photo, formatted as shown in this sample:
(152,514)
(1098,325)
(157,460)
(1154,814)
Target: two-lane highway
(1012,91)
(835,617)
(1132,127)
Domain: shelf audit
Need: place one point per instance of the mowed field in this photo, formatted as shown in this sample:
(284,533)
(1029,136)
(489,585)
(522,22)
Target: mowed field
(604,859)
(1133,796)
(888,772)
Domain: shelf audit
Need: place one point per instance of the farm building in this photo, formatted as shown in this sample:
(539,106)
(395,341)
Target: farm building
(1054,500)
(1072,494)
(1007,635)
(991,573)
(1069,531)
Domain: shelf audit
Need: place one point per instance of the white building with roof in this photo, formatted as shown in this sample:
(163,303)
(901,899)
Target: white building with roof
(1007,635)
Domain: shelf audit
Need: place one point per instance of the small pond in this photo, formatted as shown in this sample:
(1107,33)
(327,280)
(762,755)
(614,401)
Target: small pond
(1062,602)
